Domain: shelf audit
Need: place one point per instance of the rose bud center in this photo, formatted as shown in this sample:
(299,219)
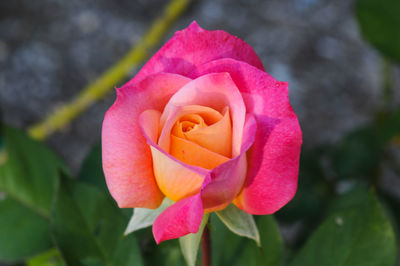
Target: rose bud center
(201,141)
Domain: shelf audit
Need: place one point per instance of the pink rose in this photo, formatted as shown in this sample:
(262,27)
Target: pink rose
(203,124)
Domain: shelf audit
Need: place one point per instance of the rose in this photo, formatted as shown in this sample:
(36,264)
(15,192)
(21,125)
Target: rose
(203,124)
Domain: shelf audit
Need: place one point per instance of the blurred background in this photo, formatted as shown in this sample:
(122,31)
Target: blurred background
(345,91)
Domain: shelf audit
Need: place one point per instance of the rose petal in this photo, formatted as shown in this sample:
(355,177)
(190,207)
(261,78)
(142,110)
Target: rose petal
(127,161)
(210,116)
(215,91)
(180,219)
(227,179)
(175,179)
(216,137)
(273,170)
(194,46)
(193,154)
(274,158)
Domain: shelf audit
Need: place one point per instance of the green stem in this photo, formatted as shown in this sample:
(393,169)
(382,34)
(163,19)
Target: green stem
(206,247)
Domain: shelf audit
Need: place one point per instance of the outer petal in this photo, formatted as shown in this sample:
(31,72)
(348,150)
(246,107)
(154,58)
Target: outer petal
(180,219)
(127,162)
(227,179)
(274,158)
(194,46)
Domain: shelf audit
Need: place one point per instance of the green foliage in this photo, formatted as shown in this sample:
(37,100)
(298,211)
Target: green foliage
(143,218)
(30,171)
(356,232)
(164,254)
(380,23)
(359,153)
(190,243)
(91,170)
(28,176)
(49,258)
(239,222)
(88,229)
(23,232)
(313,190)
(231,249)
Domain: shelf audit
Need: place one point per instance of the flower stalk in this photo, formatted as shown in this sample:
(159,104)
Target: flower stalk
(206,247)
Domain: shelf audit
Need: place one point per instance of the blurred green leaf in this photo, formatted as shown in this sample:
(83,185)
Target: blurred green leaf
(23,232)
(358,154)
(231,249)
(88,229)
(357,232)
(51,257)
(380,23)
(313,190)
(165,254)
(29,173)
(239,222)
(92,170)
(190,243)
(143,217)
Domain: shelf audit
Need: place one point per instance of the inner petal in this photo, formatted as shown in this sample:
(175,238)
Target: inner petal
(193,154)
(216,137)
(209,115)
(216,90)
(186,123)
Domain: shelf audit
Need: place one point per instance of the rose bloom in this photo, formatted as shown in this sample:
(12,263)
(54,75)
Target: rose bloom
(203,124)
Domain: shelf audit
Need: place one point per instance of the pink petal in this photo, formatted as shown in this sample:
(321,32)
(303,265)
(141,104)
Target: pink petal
(194,46)
(274,158)
(216,91)
(227,179)
(180,219)
(127,161)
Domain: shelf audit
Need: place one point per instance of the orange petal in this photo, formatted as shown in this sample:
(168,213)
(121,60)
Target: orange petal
(216,90)
(209,115)
(216,137)
(193,154)
(174,180)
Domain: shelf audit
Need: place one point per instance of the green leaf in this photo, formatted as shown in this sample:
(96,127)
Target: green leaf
(239,222)
(88,228)
(23,232)
(51,257)
(29,173)
(190,243)
(380,23)
(358,154)
(246,252)
(166,253)
(92,170)
(143,218)
(356,233)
